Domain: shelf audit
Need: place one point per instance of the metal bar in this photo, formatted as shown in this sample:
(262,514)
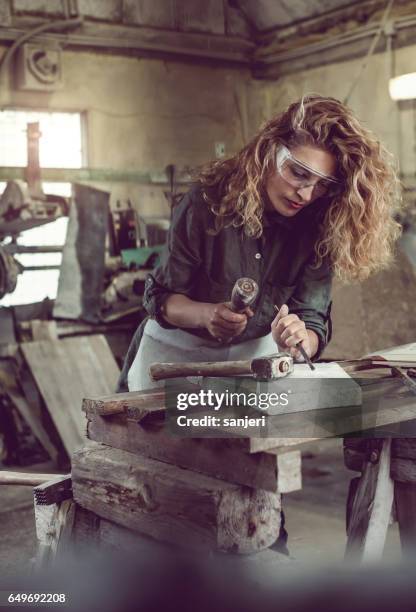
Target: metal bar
(40,268)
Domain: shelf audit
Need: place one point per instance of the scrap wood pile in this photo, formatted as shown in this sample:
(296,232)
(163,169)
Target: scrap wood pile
(43,380)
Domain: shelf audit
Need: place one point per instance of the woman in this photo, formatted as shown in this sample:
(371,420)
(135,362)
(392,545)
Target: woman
(310,197)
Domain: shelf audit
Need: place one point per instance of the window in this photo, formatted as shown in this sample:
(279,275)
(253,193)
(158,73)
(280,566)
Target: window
(60,146)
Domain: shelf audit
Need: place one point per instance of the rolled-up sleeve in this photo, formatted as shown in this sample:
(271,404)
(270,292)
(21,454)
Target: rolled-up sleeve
(311,301)
(181,258)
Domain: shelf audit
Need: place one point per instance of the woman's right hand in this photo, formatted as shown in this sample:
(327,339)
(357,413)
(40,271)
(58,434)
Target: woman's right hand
(223,324)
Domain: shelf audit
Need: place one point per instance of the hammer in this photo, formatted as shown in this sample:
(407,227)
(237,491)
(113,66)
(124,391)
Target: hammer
(243,294)
(269,367)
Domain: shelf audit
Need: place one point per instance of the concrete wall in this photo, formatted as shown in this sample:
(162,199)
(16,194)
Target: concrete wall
(142,114)
(360,312)
(370,99)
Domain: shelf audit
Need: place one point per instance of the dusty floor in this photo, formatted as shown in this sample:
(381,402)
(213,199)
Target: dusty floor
(314,516)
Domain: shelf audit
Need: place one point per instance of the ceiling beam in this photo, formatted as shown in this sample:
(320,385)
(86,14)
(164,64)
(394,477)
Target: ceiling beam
(332,49)
(146,42)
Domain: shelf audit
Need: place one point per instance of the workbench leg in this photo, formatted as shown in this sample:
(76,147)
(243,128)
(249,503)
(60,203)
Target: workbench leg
(405,496)
(54,525)
(371,509)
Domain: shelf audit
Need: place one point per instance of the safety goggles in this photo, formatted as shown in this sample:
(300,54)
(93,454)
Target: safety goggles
(300,176)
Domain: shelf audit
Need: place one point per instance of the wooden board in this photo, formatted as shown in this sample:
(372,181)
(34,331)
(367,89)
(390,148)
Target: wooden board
(174,505)
(53,531)
(143,406)
(150,405)
(370,509)
(129,421)
(220,458)
(405,353)
(386,402)
(65,372)
(92,533)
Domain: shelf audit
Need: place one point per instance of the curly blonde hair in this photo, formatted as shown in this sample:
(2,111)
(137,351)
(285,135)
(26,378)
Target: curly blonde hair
(358,230)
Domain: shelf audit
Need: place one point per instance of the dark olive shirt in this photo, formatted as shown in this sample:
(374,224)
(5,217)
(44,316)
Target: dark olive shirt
(204,266)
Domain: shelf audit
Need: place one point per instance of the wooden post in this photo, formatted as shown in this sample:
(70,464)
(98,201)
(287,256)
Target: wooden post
(371,508)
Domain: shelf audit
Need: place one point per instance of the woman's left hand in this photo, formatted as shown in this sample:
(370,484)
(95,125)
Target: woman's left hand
(288,331)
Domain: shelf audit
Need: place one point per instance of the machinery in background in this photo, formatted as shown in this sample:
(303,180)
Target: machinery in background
(138,241)
(23,206)
(135,245)
(19,211)
(106,257)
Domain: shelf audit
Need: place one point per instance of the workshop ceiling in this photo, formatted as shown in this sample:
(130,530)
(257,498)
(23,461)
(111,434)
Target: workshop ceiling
(269,14)
(184,15)
(259,34)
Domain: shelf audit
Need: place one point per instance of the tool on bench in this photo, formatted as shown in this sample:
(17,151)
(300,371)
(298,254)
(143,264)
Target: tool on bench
(243,294)
(26,478)
(269,367)
(299,345)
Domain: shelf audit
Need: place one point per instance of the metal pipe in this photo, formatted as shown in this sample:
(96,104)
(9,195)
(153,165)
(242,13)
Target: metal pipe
(50,25)
(40,268)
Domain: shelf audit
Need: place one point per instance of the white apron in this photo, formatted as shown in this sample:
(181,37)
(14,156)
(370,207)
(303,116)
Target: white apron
(176,345)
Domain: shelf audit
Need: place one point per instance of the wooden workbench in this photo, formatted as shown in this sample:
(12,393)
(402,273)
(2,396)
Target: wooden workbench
(216,494)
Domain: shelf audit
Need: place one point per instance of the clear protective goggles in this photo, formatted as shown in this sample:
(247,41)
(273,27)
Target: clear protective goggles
(300,176)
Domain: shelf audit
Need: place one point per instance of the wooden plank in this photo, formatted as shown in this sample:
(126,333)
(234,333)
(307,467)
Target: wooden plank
(289,469)
(217,457)
(371,509)
(23,478)
(65,372)
(375,537)
(381,407)
(174,505)
(140,405)
(54,526)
